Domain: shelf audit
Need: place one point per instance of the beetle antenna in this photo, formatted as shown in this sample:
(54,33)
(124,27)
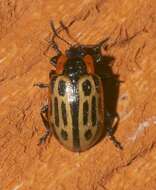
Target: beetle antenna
(67,31)
(56,34)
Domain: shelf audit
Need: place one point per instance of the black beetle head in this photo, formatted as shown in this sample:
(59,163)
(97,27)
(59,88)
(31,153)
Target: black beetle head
(75,52)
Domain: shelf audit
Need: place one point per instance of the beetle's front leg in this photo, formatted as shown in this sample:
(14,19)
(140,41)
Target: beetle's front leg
(44,116)
(111,128)
(41,85)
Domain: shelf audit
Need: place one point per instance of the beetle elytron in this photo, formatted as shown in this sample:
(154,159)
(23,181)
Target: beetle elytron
(75,110)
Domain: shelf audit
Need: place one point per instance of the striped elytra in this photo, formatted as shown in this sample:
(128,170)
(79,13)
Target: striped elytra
(77,110)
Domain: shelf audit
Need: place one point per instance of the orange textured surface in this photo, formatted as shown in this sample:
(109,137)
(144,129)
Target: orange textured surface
(24,30)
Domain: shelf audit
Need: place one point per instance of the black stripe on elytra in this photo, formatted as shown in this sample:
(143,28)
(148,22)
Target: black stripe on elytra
(56,111)
(94,116)
(85,112)
(75,113)
(62,88)
(64,113)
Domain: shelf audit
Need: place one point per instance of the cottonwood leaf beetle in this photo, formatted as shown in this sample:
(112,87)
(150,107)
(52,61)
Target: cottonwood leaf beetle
(75,110)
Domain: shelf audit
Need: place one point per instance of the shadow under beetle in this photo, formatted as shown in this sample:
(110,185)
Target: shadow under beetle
(76,112)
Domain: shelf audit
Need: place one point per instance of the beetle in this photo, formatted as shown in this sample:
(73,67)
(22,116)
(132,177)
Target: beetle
(75,110)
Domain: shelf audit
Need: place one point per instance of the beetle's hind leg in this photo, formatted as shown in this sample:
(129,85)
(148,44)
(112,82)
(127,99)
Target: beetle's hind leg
(111,128)
(44,116)
(114,140)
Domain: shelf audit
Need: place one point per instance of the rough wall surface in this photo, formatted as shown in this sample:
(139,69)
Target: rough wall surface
(24,30)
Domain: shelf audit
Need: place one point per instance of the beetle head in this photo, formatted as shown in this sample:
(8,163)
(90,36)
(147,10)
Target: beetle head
(75,51)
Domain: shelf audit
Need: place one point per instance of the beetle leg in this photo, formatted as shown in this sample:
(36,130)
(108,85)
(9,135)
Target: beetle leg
(115,141)
(53,60)
(44,116)
(103,43)
(111,130)
(55,47)
(41,85)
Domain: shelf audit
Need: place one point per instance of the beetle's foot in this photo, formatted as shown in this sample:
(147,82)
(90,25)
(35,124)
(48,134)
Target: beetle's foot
(111,126)
(110,133)
(44,138)
(41,85)
(116,142)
